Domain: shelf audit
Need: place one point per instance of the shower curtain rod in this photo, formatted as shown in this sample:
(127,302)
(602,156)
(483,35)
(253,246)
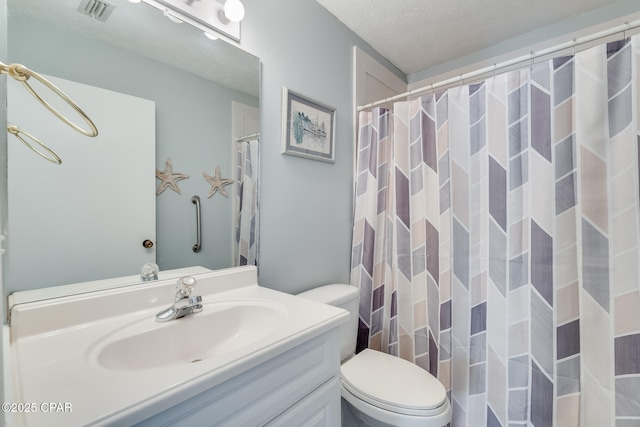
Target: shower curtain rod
(248,137)
(509,64)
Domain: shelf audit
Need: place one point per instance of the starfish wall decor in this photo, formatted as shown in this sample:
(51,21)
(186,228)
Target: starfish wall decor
(168,178)
(217,182)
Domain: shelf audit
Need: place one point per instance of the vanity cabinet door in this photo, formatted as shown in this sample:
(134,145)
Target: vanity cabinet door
(320,409)
(301,382)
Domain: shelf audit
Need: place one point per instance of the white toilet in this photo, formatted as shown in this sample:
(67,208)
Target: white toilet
(380,389)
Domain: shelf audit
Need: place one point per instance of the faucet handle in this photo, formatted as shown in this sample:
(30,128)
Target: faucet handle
(149,271)
(185,285)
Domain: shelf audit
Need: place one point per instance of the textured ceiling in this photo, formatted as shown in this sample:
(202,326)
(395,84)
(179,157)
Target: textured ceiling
(418,34)
(142,29)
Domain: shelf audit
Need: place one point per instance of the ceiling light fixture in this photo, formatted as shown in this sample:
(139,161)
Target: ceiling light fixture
(135,1)
(233,11)
(216,17)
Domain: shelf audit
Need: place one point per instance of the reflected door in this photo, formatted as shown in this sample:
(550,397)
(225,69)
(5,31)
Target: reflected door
(90,216)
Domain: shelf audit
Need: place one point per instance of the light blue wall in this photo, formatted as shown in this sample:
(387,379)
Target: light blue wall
(306,205)
(193,128)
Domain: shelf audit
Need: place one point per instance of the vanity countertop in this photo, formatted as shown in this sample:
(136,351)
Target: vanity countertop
(55,348)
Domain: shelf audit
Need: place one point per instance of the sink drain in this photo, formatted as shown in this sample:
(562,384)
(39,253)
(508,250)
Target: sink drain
(196,360)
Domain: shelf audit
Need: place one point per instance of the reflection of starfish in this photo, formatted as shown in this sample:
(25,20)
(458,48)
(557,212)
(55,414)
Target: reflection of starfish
(168,178)
(217,182)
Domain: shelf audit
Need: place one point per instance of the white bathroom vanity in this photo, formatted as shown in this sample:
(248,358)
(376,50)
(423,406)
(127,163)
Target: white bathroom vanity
(252,356)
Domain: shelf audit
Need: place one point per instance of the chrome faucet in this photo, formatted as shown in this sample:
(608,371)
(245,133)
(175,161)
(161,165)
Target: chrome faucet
(184,304)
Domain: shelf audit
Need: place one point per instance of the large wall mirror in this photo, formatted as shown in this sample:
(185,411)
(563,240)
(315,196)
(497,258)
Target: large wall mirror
(144,78)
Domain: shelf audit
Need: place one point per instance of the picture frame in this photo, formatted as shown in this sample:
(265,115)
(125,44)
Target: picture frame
(308,127)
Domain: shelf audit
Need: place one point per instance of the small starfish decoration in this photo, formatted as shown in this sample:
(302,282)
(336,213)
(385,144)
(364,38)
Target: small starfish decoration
(168,178)
(217,182)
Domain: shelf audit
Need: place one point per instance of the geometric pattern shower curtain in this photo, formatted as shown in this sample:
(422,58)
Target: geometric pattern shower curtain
(496,240)
(246,235)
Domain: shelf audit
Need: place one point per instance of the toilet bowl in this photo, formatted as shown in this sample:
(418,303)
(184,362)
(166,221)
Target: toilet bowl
(380,389)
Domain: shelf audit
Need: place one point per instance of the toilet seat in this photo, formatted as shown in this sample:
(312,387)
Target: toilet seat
(393,384)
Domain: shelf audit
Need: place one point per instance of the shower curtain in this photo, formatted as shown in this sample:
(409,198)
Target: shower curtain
(246,236)
(496,240)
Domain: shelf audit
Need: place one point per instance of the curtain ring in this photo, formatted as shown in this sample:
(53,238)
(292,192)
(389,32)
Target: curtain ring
(22,74)
(532,57)
(53,158)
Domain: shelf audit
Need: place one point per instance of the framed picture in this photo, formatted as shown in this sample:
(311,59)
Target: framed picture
(308,127)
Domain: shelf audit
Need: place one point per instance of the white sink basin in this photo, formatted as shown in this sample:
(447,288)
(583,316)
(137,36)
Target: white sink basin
(221,328)
(109,340)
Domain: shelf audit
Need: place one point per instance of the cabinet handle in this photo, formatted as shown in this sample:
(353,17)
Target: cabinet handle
(147,244)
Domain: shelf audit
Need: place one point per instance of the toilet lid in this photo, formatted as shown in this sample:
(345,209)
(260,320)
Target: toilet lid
(392,382)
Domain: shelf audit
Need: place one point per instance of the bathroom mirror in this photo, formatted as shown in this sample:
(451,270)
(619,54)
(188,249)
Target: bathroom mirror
(199,87)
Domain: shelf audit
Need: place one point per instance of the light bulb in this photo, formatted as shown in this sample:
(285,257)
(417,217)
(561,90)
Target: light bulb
(233,10)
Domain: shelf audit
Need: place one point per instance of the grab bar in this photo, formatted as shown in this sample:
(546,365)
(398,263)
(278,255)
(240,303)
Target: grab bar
(196,248)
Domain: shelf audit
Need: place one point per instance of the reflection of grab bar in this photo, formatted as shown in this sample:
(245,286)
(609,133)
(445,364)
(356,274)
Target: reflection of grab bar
(22,74)
(196,248)
(52,157)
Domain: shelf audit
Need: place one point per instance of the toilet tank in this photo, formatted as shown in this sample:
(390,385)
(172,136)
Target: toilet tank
(345,297)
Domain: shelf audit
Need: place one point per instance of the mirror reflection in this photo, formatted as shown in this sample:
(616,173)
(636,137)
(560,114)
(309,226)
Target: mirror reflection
(165,98)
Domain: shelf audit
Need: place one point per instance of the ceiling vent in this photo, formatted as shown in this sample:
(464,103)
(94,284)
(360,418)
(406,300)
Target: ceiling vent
(96,9)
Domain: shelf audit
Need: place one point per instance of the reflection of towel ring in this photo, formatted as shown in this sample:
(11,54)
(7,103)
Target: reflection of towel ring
(15,130)
(22,74)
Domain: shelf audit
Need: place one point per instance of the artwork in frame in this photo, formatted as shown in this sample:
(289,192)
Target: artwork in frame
(309,127)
